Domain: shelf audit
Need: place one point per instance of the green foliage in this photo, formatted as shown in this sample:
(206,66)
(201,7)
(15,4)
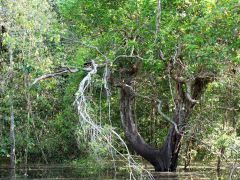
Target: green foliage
(90,166)
(44,41)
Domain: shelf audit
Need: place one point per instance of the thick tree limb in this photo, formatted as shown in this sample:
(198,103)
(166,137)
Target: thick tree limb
(159,106)
(188,93)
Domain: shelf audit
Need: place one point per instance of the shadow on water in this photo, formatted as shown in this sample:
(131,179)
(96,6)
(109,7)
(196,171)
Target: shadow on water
(58,171)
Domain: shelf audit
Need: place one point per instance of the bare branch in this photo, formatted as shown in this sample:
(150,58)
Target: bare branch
(51,75)
(171,63)
(228,108)
(165,116)
(68,70)
(158,18)
(94,128)
(161,55)
(177,53)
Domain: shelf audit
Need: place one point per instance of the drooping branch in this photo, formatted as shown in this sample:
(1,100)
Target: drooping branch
(94,128)
(73,70)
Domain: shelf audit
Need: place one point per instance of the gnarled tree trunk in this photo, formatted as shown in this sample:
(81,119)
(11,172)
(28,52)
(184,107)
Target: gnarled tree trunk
(165,158)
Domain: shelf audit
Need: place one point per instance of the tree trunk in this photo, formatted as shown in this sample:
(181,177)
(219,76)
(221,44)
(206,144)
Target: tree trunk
(138,144)
(222,149)
(165,158)
(29,115)
(12,136)
(187,160)
(12,122)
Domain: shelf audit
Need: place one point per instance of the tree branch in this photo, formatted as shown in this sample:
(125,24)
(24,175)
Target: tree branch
(165,116)
(158,18)
(159,106)
(51,75)
(188,93)
(171,63)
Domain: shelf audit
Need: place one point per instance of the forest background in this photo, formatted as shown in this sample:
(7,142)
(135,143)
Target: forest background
(40,123)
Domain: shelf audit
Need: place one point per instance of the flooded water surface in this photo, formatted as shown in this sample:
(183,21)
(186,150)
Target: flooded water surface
(58,171)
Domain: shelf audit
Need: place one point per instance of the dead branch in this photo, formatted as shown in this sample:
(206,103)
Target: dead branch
(51,75)
(228,108)
(87,67)
(94,129)
(171,64)
(158,18)
(165,116)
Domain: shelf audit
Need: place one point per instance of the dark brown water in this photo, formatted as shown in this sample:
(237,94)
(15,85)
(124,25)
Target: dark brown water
(58,171)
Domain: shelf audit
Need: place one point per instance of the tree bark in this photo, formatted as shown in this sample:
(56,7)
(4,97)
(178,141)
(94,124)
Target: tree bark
(166,157)
(137,142)
(222,149)
(12,121)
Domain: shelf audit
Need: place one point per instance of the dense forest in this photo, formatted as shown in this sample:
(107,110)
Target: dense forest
(134,86)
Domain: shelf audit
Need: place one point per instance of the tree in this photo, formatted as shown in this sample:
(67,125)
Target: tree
(29,45)
(130,40)
(152,74)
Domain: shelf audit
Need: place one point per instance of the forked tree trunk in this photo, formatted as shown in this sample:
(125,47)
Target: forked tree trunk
(165,158)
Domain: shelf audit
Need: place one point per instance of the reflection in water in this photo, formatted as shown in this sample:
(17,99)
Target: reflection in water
(70,172)
(12,174)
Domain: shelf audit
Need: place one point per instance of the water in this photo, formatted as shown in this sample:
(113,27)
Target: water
(59,171)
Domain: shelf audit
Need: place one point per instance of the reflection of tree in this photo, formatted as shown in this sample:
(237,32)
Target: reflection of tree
(12,174)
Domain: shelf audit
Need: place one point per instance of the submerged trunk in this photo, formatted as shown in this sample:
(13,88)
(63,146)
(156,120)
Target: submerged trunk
(222,149)
(165,158)
(130,130)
